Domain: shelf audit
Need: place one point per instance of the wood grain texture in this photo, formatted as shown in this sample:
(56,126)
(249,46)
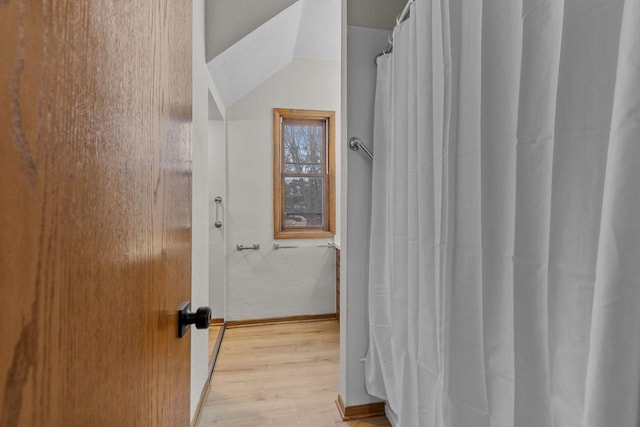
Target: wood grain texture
(367,410)
(278,375)
(338,284)
(217,321)
(277,320)
(95,179)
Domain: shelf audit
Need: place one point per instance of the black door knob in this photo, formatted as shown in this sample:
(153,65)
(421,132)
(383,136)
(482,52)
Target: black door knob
(201,318)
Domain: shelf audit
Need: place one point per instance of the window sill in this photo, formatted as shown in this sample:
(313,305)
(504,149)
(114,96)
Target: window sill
(304,234)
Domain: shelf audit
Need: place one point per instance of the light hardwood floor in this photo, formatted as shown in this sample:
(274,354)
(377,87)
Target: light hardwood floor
(214,330)
(278,375)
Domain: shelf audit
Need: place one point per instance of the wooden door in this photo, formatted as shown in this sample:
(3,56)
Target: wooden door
(95,216)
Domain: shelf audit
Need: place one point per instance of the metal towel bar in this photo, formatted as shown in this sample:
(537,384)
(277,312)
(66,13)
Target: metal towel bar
(279,246)
(254,247)
(355,144)
(218,223)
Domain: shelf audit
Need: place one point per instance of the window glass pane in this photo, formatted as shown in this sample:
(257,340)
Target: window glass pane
(303,173)
(303,202)
(303,145)
(302,168)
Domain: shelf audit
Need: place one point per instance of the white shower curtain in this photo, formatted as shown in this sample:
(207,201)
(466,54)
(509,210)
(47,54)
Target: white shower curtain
(504,278)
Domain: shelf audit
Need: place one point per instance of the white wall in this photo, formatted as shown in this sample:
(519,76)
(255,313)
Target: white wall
(217,187)
(380,14)
(286,282)
(200,207)
(230,20)
(366,25)
(363,44)
(344,211)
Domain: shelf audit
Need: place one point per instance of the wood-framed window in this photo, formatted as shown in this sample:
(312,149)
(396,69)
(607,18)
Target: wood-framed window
(303,174)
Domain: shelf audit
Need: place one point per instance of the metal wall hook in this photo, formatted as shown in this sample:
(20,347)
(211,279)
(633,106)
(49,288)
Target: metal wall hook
(218,223)
(254,247)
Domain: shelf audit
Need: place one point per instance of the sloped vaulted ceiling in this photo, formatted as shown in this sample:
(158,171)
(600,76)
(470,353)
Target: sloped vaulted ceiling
(307,29)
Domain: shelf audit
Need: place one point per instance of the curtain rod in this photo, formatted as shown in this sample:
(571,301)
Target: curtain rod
(405,12)
(400,19)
